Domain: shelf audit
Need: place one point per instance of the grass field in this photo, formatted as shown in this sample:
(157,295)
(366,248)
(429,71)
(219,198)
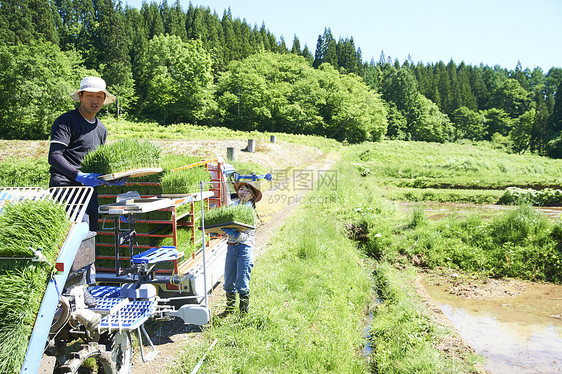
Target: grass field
(452,165)
(124,129)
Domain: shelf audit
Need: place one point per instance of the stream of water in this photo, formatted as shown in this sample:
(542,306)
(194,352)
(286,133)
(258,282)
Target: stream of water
(516,334)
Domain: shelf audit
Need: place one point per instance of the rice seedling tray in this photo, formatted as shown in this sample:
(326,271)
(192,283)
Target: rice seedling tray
(132,173)
(217,228)
(193,196)
(142,205)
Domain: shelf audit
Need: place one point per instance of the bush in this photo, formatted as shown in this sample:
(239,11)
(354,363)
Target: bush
(516,196)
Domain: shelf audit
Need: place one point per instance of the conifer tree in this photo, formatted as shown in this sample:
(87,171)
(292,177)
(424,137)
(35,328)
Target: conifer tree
(319,53)
(265,37)
(330,49)
(113,57)
(137,34)
(359,62)
(296,48)
(347,55)
(540,131)
(173,19)
(153,19)
(16,24)
(85,40)
(43,20)
(307,55)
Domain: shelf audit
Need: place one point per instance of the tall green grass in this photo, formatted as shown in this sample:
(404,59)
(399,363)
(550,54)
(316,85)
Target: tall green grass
(522,243)
(26,172)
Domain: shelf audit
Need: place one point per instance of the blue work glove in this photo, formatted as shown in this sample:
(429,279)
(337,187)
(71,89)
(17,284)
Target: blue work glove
(88,179)
(231,232)
(116,182)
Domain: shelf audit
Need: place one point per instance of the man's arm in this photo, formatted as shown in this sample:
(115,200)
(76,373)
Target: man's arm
(59,162)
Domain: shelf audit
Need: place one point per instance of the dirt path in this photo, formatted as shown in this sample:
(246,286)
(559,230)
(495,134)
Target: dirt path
(279,201)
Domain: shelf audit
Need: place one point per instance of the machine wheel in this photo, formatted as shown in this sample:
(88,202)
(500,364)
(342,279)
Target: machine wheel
(79,363)
(118,360)
(122,352)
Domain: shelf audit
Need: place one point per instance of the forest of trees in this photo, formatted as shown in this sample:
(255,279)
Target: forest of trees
(173,65)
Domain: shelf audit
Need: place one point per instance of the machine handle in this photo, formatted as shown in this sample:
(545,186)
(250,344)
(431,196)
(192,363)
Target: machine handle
(253,177)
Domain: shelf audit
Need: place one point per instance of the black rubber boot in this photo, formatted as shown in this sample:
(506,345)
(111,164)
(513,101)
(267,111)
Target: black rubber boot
(230,304)
(244,304)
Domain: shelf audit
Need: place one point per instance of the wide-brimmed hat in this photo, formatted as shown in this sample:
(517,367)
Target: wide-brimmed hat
(93,84)
(257,193)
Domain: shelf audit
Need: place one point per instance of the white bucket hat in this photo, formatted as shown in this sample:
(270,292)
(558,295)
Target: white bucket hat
(93,84)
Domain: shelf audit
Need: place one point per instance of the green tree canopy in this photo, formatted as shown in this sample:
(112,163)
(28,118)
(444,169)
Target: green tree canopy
(35,82)
(273,92)
(511,97)
(497,121)
(178,81)
(427,123)
(468,124)
(521,133)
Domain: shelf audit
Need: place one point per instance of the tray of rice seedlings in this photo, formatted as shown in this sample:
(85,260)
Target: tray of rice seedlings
(239,217)
(127,158)
(181,178)
(184,182)
(24,227)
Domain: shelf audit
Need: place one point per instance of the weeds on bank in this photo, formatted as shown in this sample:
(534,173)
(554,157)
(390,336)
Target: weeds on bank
(521,243)
(403,337)
(121,128)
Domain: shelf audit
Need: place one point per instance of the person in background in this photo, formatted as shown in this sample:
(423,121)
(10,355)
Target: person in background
(240,254)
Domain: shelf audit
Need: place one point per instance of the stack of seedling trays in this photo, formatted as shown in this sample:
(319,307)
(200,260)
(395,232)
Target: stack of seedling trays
(155,228)
(31,235)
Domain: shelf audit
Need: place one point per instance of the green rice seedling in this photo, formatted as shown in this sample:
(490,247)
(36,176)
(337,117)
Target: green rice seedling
(184,242)
(175,180)
(25,226)
(239,213)
(22,292)
(32,224)
(173,161)
(122,155)
(185,181)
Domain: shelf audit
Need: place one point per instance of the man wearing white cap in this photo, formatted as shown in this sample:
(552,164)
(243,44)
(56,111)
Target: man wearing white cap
(73,135)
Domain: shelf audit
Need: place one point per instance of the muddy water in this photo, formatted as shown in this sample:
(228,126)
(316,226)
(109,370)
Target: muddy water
(515,334)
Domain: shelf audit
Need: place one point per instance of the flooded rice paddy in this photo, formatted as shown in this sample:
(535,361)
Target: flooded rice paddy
(518,333)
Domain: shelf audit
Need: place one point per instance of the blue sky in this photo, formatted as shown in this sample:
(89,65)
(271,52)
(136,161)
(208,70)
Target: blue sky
(492,32)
